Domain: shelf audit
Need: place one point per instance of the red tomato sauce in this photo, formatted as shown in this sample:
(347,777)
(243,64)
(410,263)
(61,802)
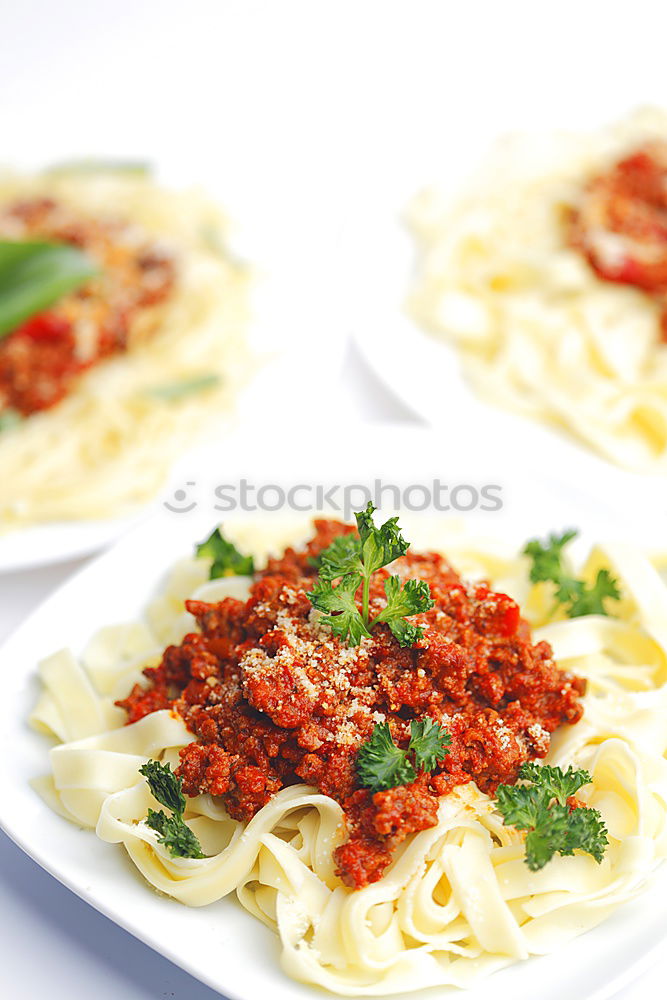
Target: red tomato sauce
(620,225)
(274,699)
(41,360)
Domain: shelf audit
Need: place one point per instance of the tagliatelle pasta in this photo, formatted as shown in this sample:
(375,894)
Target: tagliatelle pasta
(108,445)
(458,900)
(537,330)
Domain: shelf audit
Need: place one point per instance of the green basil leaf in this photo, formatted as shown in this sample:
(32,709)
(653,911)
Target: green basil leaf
(9,418)
(92,166)
(34,275)
(184,387)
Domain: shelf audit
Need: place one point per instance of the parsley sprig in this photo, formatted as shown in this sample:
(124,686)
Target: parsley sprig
(227,560)
(173,832)
(381,764)
(539,805)
(352,560)
(576,596)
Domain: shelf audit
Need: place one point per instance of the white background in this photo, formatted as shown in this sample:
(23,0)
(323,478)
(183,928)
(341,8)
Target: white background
(291,111)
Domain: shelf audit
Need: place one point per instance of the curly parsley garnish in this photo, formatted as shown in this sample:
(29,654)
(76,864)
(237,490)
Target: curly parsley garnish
(227,560)
(381,764)
(352,560)
(344,618)
(173,832)
(577,597)
(540,807)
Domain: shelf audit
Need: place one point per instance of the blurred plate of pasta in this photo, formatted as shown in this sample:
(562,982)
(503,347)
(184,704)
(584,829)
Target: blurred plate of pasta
(135,322)
(523,292)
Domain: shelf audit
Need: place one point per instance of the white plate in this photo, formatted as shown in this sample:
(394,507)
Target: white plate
(221,944)
(44,544)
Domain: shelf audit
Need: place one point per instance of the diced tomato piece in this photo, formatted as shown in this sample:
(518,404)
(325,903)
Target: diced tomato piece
(44,326)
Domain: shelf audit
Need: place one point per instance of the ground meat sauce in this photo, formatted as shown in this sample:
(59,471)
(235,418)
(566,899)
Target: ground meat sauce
(41,360)
(620,224)
(273,698)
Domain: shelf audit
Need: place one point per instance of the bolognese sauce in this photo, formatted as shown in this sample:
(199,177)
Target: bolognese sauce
(41,360)
(273,698)
(620,224)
